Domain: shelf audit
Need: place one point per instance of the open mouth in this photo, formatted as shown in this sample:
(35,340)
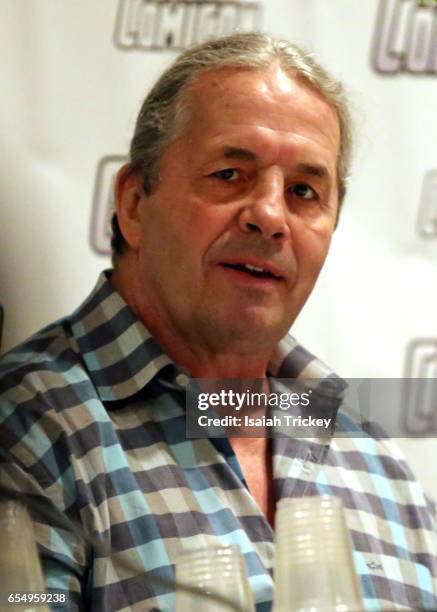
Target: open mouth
(254,271)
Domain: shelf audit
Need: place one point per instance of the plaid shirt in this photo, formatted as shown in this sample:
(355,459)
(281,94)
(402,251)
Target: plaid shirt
(92,431)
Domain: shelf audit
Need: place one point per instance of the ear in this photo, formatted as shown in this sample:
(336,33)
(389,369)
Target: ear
(128,193)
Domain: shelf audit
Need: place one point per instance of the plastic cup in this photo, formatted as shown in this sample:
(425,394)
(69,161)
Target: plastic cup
(314,567)
(212,579)
(20,568)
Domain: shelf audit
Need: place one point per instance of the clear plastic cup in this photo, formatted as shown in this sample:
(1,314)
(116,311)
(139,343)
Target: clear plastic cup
(20,568)
(314,567)
(212,579)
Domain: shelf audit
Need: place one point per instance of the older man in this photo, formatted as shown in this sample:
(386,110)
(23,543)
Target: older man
(224,217)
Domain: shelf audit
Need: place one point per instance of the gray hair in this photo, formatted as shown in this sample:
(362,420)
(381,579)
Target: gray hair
(162,114)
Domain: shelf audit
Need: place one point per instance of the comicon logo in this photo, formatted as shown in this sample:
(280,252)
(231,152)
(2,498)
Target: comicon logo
(427,220)
(103,203)
(177,24)
(406,37)
(420,396)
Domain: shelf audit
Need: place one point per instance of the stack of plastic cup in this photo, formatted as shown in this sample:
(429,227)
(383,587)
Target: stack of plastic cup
(212,579)
(20,568)
(314,567)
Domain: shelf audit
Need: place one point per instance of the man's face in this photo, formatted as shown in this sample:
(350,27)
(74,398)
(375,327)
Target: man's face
(239,225)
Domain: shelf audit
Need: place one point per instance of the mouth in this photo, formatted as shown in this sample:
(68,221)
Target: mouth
(266,272)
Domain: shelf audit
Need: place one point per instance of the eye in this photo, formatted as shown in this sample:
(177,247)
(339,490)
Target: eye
(304,191)
(228,174)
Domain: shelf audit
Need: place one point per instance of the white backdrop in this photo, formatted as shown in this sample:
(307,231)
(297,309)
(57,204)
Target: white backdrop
(73,75)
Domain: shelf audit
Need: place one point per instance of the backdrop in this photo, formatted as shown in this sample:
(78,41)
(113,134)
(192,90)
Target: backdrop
(73,76)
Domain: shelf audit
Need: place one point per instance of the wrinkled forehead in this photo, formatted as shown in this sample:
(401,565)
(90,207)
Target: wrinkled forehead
(225,89)
(234,103)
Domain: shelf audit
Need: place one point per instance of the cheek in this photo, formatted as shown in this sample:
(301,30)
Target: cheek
(173,250)
(207,227)
(311,249)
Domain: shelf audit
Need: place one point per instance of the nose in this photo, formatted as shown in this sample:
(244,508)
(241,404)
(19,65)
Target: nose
(265,212)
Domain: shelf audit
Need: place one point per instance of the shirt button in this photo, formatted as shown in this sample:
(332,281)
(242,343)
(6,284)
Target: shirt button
(182,380)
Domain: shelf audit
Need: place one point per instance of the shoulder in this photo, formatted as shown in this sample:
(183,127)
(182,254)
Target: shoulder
(45,363)
(50,413)
(45,393)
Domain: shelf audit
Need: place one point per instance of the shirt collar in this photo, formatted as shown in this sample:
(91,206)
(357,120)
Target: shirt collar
(122,357)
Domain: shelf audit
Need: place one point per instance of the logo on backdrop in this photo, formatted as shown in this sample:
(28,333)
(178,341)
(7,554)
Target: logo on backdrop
(420,396)
(103,203)
(406,37)
(427,218)
(176,24)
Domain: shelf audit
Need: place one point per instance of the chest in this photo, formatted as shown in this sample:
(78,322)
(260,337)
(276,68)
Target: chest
(156,499)
(254,457)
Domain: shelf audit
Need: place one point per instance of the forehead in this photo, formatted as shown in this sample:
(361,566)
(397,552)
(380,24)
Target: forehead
(266,105)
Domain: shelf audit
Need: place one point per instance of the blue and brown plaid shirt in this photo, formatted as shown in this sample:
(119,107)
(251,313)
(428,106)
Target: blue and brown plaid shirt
(92,436)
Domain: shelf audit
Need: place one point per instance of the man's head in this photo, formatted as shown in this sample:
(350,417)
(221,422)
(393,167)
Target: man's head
(163,112)
(238,165)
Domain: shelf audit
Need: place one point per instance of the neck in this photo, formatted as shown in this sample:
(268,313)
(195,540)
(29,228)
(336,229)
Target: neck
(185,349)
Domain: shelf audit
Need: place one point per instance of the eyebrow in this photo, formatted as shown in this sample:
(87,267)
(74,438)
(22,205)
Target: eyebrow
(241,153)
(313,170)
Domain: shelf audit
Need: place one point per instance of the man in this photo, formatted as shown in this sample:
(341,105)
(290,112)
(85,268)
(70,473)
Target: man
(224,217)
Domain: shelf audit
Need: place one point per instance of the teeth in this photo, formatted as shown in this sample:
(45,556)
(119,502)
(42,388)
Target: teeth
(254,268)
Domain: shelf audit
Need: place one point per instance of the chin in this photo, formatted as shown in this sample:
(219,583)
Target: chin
(244,328)
(267,320)
(248,333)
